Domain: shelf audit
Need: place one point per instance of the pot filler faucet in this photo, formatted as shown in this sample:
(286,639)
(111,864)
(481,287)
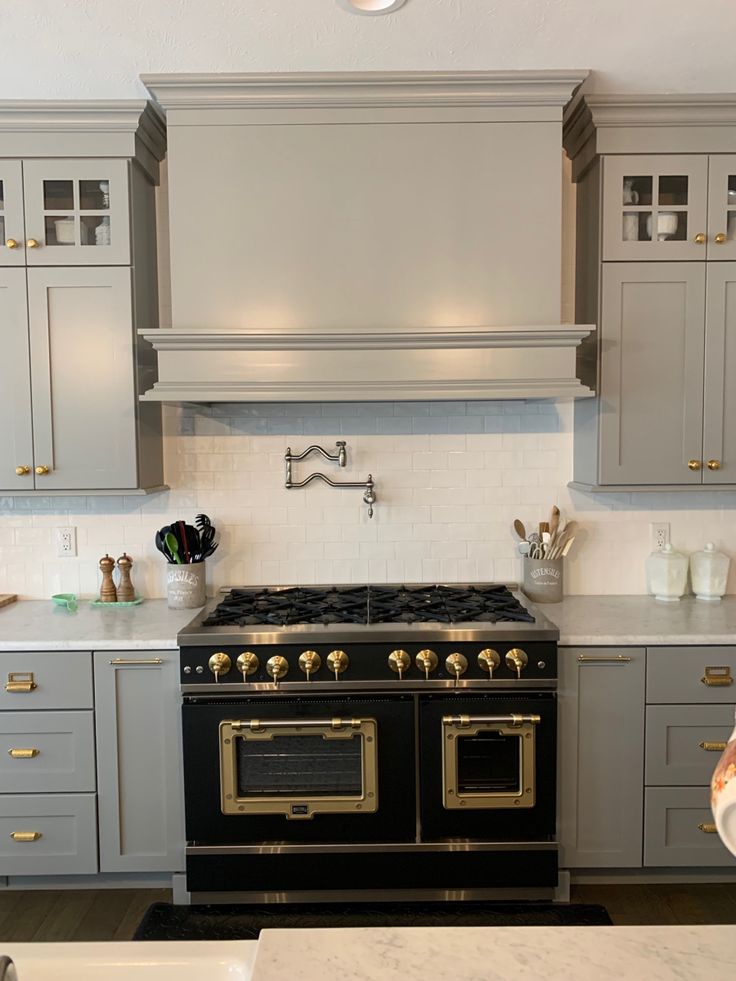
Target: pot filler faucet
(341,459)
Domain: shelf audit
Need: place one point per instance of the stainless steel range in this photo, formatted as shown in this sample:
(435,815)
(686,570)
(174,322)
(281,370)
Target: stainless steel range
(369,742)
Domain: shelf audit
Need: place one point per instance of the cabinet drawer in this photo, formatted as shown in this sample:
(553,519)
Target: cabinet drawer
(702,675)
(62,830)
(684,743)
(60,680)
(47,752)
(672,832)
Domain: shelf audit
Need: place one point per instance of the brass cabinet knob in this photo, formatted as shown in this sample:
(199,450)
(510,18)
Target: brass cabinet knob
(337,662)
(694,464)
(41,471)
(720,238)
(399,661)
(278,667)
(11,243)
(516,660)
(456,665)
(22,471)
(489,660)
(426,661)
(714,464)
(310,662)
(219,664)
(247,663)
(699,239)
(32,243)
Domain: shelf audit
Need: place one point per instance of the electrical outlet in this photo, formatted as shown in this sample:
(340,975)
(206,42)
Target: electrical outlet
(660,535)
(66,542)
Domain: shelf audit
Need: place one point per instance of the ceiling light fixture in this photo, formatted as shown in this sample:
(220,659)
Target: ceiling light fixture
(371,7)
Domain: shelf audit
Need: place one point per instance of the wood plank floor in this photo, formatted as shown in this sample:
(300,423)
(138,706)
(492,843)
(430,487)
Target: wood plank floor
(113,914)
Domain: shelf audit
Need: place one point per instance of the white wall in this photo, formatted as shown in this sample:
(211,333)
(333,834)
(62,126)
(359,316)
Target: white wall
(85,49)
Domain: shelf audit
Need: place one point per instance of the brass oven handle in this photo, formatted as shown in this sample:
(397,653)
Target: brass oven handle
(125,660)
(709,829)
(511,720)
(23,754)
(604,659)
(712,747)
(25,835)
(713,677)
(257,724)
(19,682)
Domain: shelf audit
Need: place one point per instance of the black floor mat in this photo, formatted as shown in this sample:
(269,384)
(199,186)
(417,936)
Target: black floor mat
(163,921)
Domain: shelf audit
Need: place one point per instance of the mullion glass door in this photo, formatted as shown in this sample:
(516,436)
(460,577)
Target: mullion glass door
(12,230)
(722,206)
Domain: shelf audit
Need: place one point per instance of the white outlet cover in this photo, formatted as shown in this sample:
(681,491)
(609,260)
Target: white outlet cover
(371,7)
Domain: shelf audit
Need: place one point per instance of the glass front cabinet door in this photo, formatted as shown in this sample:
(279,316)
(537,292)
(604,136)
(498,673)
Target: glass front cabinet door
(76,212)
(12,229)
(722,207)
(655,207)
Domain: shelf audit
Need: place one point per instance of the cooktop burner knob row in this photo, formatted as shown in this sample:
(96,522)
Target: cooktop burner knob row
(337,661)
(426,661)
(219,664)
(247,663)
(278,667)
(489,660)
(310,662)
(456,665)
(516,660)
(399,661)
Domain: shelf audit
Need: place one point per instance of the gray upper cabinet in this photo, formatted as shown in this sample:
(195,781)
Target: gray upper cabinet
(719,433)
(77,211)
(601,757)
(722,207)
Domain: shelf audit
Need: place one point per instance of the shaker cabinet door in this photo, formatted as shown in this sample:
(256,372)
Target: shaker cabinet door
(76,212)
(12,228)
(16,439)
(719,428)
(651,383)
(83,383)
(722,206)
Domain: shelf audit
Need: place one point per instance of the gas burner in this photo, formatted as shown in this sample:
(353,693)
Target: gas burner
(445,604)
(294,605)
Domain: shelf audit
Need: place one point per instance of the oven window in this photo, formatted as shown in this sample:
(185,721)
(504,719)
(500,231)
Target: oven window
(488,763)
(299,766)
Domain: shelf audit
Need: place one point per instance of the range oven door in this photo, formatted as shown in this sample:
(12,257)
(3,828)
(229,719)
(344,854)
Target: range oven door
(299,769)
(488,767)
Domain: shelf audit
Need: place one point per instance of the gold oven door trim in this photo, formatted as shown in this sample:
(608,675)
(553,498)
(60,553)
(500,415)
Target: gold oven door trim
(298,807)
(523,727)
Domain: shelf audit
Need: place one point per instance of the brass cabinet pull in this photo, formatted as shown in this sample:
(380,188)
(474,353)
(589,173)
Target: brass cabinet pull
(43,470)
(720,238)
(694,464)
(11,243)
(714,464)
(22,471)
(145,660)
(709,829)
(32,243)
(25,754)
(717,676)
(699,238)
(20,681)
(712,747)
(604,659)
(25,835)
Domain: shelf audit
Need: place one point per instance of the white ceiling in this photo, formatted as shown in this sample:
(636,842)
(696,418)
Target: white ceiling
(97,48)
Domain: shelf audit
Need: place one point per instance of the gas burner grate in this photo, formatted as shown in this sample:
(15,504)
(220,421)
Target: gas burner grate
(368,604)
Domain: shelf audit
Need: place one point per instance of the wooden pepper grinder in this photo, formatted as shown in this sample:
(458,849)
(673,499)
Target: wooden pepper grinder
(126,592)
(108,593)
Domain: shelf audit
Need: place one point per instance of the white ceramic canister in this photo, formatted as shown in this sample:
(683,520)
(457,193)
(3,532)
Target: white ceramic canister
(185,586)
(723,795)
(667,574)
(709,573)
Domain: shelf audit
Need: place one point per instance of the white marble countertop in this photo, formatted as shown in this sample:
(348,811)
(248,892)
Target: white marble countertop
(589,621)
(670,953)
(39,625)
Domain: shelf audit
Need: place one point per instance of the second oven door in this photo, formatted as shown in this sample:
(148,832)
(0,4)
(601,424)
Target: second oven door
(487,767)
(299,770)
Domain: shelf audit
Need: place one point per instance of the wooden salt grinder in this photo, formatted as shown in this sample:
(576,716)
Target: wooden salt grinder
(108,593)
(126,592)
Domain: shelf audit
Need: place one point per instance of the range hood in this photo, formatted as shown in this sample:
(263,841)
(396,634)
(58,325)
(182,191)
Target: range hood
(358,236)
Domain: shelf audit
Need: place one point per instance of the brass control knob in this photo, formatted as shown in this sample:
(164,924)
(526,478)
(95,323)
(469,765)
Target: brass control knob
(694,464)
(219,664)
(247,663)
(516,660)
(22,471)
(426,661)
(399,661)
(712,465)
(32,243)
(699,239)
(310,662)
(337,662)
(489,660)
(278,667)
(11,243)
(456,665)
(720,238)
(41,471)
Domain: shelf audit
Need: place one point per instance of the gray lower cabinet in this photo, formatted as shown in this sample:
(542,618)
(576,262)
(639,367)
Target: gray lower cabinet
(139,775)
(48,834)
(601,757)
(679,829)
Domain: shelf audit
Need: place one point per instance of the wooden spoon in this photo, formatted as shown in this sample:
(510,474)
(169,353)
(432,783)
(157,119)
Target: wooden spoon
(554,524)
(520,529)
